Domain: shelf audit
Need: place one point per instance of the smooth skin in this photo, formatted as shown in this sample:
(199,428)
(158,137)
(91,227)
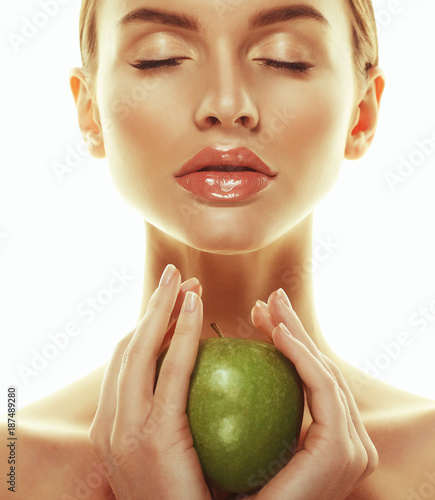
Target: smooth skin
(107,434)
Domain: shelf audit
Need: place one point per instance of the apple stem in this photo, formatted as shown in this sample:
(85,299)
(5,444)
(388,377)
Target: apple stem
(217,330)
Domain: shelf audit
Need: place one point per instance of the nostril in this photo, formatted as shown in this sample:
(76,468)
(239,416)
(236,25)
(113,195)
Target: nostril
(243,120)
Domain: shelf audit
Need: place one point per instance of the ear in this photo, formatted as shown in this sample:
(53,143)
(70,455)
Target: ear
(363,128)
(87,110)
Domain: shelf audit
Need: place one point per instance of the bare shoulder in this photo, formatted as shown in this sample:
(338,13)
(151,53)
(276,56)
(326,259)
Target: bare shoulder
(53,457)
(416,452)
(56,462)
(404,435)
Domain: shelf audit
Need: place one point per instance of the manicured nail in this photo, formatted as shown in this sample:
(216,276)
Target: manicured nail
(190,301)
(262,305)
(285,330)
(284,297)
(190,283)
(167,275)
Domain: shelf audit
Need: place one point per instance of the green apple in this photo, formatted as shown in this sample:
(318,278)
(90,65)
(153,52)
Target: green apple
(245,409)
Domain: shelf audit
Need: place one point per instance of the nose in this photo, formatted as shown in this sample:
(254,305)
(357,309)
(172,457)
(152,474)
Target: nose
(225,100)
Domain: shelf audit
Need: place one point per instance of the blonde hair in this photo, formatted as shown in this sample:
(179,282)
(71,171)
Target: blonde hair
(88,36)
(365,37)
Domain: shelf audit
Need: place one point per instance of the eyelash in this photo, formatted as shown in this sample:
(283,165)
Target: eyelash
(296,67)
(158,63)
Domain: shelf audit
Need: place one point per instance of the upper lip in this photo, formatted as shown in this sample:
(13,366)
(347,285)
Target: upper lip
(225,156)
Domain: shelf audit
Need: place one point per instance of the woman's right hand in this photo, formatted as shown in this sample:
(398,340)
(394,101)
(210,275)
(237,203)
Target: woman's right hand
(141,436)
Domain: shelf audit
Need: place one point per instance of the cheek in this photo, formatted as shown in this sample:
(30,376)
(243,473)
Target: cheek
(139,127)
(309,148)
(134,111)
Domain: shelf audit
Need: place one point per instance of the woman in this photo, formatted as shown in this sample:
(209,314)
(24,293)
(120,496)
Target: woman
(282,92)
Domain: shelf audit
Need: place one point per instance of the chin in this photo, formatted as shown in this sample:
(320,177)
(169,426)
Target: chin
(226,242)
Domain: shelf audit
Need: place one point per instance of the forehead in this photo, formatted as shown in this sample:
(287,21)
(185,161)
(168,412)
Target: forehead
(225,16)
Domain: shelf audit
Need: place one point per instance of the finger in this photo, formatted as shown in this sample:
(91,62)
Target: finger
(266,321)
(191,284)
(372,454)
(106,409)
(356,430)
(355,426)
(359,437)
(100,429)
(138,366)
(262,320)
(282,313)
(326,445)
(323,392)
(174,378)
(354,439)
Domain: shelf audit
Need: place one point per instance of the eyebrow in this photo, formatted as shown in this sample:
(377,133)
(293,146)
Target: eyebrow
(259,20)
(160,17)
(268,17)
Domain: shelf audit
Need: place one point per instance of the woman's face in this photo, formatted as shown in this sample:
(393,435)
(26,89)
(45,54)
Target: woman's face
(240,74)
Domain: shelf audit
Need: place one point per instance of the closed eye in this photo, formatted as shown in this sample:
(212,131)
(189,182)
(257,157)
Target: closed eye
(297,67)
(158,63)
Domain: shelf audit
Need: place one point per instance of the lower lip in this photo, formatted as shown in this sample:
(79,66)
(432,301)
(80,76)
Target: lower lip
(224,186)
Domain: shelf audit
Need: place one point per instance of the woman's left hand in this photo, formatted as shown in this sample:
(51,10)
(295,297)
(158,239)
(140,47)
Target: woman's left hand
(336,453)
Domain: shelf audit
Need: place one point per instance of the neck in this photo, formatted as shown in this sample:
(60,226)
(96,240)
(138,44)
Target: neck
(232,283)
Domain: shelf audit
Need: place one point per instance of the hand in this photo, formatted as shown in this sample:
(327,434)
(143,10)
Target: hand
(337,453)
(142,438)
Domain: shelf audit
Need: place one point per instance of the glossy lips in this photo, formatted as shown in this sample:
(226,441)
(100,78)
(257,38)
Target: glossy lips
(233,174)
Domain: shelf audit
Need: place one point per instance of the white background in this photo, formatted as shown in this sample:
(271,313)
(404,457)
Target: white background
(61,239)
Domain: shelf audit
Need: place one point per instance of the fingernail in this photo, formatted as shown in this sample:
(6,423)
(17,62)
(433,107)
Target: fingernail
(285,330)
(190,301)
(190,283)
(262,305)
(167,275)
(284,297)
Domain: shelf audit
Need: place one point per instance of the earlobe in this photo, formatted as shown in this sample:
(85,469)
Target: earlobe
(88,116)
(363,128)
